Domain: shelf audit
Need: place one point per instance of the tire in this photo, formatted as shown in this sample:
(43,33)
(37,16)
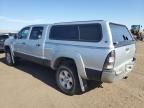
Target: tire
(8,58)
(67,78)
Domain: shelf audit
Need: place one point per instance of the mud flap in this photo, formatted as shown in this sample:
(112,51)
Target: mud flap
(83,83)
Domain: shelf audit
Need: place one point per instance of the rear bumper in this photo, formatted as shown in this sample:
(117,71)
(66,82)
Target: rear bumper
(110,76)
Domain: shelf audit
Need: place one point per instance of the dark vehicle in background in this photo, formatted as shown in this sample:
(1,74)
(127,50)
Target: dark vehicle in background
(3,37)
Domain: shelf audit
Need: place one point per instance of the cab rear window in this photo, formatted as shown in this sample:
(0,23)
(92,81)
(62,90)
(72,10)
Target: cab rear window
(120,33)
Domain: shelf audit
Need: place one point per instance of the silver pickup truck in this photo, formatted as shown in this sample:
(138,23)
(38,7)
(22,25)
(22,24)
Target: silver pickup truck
(78,51)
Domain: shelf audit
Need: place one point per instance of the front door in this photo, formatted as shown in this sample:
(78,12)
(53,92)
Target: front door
(20,42)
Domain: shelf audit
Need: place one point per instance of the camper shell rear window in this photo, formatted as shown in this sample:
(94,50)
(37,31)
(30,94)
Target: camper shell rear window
(120,33)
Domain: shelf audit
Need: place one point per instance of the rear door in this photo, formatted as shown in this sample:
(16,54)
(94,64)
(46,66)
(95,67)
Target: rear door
(124,45)
(35,42)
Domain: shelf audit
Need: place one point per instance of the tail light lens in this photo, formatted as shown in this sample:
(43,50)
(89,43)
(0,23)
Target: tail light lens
(110,60)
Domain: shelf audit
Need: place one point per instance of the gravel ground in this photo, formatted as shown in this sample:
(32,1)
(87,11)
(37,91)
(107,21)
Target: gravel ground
(29,85)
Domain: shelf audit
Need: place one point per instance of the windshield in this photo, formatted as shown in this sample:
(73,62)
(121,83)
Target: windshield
(120,33)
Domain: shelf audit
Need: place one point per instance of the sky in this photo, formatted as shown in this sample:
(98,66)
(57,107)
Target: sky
(15,14)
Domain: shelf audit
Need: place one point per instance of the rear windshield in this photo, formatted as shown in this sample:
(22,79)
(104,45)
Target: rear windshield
(120,33)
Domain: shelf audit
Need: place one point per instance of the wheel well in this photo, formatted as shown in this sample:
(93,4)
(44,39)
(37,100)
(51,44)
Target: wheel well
(61,60)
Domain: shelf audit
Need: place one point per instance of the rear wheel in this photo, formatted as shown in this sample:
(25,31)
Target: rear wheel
(67,79)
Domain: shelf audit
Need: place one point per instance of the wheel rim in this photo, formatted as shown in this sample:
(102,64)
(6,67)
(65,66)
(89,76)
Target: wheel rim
(65,79)
(8,57)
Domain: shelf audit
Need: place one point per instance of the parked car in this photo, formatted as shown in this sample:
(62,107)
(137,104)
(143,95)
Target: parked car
(3,37)
(78,51)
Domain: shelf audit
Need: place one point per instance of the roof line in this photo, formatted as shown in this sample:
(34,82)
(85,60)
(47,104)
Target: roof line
(77,21)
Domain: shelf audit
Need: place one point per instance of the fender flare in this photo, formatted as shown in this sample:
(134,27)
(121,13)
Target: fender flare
(77,59)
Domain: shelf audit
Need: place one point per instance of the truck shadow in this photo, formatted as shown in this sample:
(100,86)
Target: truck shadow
(46,74)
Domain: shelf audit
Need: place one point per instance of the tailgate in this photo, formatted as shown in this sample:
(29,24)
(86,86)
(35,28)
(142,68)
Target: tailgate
(124,46)
(124,55)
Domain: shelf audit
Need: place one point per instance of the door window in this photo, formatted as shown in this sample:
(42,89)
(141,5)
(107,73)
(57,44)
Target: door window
(36,33)
(23,34)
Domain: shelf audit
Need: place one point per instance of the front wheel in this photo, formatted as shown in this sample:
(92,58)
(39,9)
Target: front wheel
(67,79)
(8,58)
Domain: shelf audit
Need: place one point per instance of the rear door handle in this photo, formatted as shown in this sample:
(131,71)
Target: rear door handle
(38,45)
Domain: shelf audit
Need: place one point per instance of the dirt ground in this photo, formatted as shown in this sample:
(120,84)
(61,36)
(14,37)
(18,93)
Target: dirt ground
(29,85)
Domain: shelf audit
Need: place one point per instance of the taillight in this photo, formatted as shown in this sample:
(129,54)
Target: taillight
(110,60)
